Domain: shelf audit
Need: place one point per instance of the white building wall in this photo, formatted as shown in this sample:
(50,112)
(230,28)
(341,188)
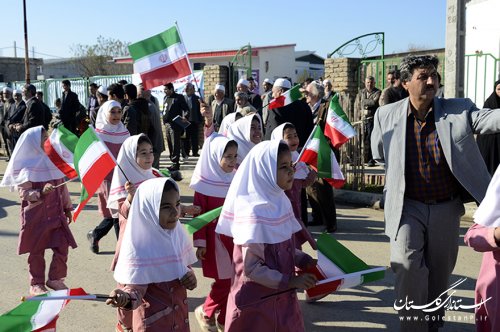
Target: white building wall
(482,36)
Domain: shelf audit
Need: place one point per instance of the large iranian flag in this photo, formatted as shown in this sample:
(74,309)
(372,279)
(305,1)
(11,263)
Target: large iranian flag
(337,126)
(60,147)
(287,98)
(40,315)
(160,59)
(93,162)
(318,154)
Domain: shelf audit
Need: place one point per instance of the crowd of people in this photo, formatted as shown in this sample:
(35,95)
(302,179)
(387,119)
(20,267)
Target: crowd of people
(248,164)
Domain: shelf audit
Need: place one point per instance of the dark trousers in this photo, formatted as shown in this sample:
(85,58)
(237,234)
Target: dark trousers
(191,141)
(5,139)
(322,202)
(105,226)
(174,142)
(367,133)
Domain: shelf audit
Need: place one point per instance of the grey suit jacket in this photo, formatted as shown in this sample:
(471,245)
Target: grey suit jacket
(457,120)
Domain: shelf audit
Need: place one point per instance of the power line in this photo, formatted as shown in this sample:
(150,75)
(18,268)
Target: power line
(41,53)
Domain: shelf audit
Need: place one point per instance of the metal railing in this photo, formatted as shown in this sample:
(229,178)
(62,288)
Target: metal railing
(481,72)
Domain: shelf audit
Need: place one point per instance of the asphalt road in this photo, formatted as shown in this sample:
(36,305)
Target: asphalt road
(365,308)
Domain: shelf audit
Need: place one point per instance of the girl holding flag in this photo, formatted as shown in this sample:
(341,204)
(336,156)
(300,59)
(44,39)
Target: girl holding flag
(45,210)
(303,177)
(154,262)
(210,181)
(259,217)
(112,132)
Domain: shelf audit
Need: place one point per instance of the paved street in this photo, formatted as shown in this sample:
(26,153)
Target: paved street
(366,308)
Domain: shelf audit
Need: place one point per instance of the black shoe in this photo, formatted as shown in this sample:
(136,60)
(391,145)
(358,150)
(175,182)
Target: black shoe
(331,229)
(195,155)
(94,243)
(371,163)
(176,175)
(174,167)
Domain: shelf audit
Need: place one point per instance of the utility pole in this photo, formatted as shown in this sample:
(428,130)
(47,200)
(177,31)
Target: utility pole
(15,49)
(26,50)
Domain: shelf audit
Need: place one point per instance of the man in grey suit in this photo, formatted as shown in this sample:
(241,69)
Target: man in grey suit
(432,166)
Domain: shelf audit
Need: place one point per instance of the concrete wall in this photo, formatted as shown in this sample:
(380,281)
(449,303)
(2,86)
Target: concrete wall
(12,69)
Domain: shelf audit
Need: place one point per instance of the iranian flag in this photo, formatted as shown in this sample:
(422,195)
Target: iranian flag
(338,128)
(39,315)
(160,59)
(287,98)
(60,147)
(318,154)
(338,268)
(93,162)
(197,223)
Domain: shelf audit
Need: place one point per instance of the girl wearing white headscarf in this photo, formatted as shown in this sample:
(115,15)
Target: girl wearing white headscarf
(154,263)
(45,210)
(259,217)
(113,133)
(303,178)
(210,181)
(247,132)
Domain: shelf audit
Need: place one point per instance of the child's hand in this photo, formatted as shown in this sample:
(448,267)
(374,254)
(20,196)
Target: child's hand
(303,281)
(200,253)
(189,280)
(118,298)
(190,209)
(130,188)
(205,109)
(47,188)
(69,216)
(312,264)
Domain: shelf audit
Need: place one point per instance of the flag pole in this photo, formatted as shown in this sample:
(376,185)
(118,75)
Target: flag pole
(112,157)
(61,184)
(189,63)
(308,139)
(94,297)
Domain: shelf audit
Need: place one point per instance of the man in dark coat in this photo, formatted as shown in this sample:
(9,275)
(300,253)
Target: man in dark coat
(69,107)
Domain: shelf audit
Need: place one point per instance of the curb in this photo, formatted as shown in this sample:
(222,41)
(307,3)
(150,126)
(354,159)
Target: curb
(372,200)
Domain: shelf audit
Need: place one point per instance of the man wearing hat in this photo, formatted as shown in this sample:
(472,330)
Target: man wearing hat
(253,98)
(327,85)
(221,105)
(297,113)
(267,85)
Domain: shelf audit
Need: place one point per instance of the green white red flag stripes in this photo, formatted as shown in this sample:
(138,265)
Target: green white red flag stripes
(338,268)
(160,59)
(197,223)
(60,147)
(37,315)
(93,162)
(337,127)
(287,98)
(318,154)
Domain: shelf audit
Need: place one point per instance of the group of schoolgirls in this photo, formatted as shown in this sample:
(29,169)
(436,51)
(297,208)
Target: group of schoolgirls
(251,252)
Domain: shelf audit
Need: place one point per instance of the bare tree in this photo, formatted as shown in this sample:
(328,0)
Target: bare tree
(96,59)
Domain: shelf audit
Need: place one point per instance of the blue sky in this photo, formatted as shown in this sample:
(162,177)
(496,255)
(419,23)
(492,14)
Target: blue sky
(321,26)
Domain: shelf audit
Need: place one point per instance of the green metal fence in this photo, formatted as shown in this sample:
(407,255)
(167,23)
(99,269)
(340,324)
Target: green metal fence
(481,72)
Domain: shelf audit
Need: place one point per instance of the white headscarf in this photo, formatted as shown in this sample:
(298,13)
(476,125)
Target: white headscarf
(301,169)
(29,162)
(109,132)
(256,209)
(208,177)
(240,132)
(488,212)
(227,121)
(127,161)
(149,253)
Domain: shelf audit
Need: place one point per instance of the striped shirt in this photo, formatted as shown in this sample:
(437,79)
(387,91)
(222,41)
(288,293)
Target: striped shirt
(427,174)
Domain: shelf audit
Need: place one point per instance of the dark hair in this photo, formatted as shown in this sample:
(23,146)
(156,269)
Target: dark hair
(122,82)
(238,116)
(93,85)
(144,139)
(283,147)
(288,126)
(169,185)
(396,74)
(40,93)
(116,90)
(31,88)
(230,144)
(130,91)
(169,86)
(412,62)
(66,82)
